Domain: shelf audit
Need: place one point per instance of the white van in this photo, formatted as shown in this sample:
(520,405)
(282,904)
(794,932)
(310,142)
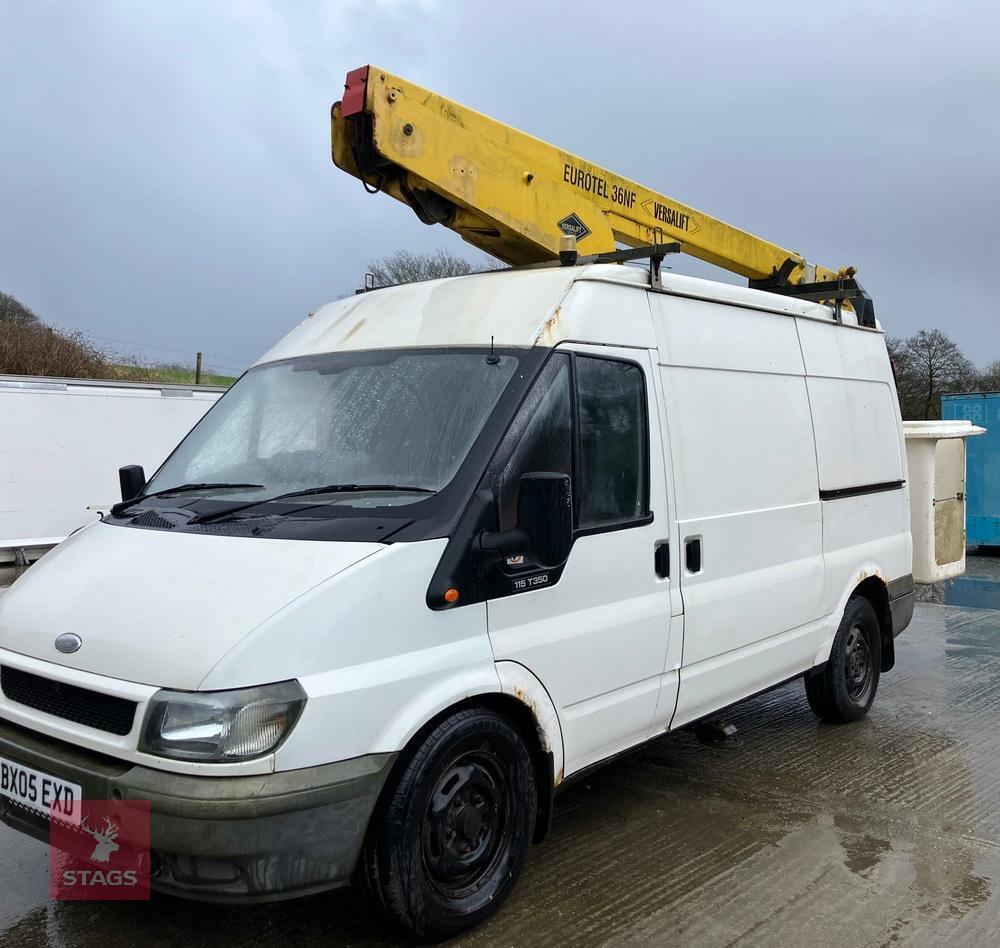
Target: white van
(447,546)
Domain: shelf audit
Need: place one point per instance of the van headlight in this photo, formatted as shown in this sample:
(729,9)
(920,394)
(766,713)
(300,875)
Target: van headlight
(221,726)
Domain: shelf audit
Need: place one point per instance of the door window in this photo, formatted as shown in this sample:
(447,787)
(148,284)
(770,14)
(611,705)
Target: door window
(540,439)
(606,451)
(612,430)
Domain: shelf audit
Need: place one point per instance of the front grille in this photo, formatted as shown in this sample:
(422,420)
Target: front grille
(80,705)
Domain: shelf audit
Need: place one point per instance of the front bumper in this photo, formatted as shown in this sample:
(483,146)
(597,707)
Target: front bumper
(222,838)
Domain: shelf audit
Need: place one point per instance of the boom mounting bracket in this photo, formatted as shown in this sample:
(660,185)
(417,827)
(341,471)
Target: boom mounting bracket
(843,288)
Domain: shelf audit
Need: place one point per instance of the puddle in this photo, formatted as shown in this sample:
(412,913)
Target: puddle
(971,593)
(978,588)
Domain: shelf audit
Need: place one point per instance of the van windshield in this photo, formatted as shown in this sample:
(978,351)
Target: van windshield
(385,419)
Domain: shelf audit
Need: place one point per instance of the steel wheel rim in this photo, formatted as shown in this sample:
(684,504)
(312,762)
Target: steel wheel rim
(467,824)
(859,672)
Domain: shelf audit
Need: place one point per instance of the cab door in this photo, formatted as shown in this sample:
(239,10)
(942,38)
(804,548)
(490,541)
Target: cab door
(595,632)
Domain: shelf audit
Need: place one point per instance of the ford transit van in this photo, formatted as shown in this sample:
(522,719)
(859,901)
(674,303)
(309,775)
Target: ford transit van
(445,547)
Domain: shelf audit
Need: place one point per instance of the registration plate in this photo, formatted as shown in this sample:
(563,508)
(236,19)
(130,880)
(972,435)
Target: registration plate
(57,798)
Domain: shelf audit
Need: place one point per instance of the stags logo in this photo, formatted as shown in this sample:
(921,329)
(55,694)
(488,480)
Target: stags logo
(105,837)
(105,857)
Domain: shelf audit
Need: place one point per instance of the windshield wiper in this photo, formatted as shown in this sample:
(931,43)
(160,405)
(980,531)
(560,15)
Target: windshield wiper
(326,489)
(123,505)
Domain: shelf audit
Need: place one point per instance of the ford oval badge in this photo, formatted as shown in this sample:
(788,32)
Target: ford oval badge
(68,642)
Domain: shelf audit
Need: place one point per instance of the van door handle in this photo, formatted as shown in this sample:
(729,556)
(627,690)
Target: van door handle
(661,559)
(692,554)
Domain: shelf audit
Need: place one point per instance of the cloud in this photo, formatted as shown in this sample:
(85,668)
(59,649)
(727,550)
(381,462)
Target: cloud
(167,181)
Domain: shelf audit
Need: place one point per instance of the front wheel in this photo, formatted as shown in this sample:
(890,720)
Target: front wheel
(845,689)
(456,826)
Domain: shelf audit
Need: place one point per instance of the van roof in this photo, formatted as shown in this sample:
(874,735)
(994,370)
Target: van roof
(512,306)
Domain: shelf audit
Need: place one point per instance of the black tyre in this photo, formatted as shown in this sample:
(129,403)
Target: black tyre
(845,689)
(454,830)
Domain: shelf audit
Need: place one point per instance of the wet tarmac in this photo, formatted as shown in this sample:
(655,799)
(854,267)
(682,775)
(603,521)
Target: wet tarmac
(884,832)
(978,587)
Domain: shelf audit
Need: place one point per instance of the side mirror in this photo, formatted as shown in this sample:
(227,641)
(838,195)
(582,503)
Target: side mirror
(132,479)
(544,528)
(545,511)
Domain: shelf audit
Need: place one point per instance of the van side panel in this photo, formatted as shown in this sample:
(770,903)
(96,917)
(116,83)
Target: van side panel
(859,444)
(746,487)
(746,481)
(856,438)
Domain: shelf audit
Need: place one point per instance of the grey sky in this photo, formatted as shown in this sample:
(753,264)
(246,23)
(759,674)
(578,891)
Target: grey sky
(165,177)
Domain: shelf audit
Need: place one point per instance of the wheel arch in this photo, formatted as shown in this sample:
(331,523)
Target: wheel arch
(876,591)
(870,583)
(524,702)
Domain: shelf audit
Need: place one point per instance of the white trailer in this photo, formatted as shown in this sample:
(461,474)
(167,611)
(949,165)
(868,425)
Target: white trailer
(63,440)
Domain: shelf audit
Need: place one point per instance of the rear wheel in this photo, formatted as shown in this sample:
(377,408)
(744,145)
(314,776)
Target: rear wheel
(455,828)
(845,689)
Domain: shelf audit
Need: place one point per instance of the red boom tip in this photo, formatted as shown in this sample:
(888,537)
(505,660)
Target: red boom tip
(353,102)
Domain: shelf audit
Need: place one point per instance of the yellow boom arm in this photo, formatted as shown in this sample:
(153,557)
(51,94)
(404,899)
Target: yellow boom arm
(515,196)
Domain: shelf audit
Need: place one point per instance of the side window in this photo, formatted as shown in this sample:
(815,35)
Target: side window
(611,483)
(540,438)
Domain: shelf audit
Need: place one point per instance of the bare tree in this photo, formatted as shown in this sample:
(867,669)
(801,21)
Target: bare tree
(989,379)
(928,365)
(406,267)
(14,313)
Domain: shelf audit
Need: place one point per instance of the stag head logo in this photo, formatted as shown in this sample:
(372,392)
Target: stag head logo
(105,837)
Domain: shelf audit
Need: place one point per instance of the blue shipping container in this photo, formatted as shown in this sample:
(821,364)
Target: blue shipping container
(982,465)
